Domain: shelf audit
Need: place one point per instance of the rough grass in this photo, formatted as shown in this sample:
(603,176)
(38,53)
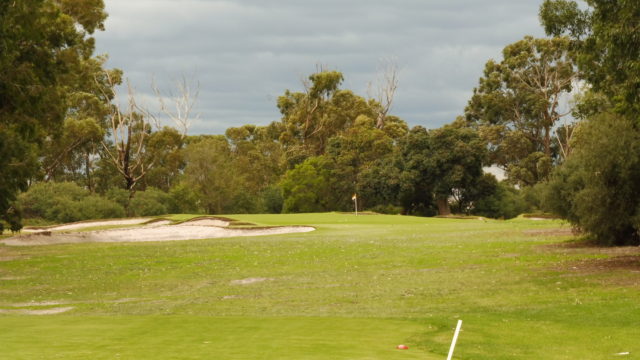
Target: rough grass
(353,289)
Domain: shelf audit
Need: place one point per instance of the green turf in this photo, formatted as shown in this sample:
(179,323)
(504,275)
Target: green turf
(353,289)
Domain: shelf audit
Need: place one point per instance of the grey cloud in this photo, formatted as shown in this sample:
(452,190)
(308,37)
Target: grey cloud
(246,53)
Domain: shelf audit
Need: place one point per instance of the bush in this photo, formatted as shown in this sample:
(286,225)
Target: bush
(387,209)
(150,202)
(119,195)
(505,202)
(184,200)
(66,202)
(597,188)
(272,200)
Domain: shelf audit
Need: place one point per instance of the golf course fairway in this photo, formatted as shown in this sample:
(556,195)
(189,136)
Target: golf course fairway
(354,288)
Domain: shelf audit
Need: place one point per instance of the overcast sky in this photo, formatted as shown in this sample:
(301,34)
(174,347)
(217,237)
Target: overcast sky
(245,53)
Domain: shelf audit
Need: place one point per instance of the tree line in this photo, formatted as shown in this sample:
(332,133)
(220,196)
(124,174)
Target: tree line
(557,114)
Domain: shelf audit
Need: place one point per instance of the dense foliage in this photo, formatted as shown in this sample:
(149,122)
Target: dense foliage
(597,188)
(45,47)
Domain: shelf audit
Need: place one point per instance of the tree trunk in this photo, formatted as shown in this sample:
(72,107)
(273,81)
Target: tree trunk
(547,141)
(87,169)
(443,206)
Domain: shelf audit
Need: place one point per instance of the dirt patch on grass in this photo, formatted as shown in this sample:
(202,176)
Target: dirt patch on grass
(39,303)
(249,281)
(608,263)
(564,231)
(50,311)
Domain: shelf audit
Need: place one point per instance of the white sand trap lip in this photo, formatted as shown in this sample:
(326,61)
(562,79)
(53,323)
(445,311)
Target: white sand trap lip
(157,233)
(205,222)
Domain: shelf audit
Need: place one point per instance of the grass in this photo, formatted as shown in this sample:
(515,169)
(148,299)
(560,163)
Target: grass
(353,289)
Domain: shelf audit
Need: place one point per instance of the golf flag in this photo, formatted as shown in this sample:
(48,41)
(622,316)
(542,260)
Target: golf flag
(354,197)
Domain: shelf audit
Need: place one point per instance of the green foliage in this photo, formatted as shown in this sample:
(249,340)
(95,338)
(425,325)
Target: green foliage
(387,209)
(497,200)
(516,106)
(606,43)
(150,202)
(455,162)
(66,202)
(184,199)
(272,200)
(312,117)
(165,148)
(597,188)
(307,187)
(44,46)
(211,173)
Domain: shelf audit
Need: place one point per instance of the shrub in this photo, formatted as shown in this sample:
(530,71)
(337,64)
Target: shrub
(66,202)
(504,202)
(387,209)
(184,200)
(272,200)
(150,202)
(597,188)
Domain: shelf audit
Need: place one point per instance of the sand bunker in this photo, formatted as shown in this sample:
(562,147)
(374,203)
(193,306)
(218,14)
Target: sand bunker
(88,224)
(158,231)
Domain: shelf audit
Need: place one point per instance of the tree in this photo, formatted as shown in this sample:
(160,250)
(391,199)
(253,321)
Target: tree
(210,172)
(455,164)
(384,90)
(257,152)
(41,44)
(352,152)
(68,152)
(308,186)
(129,131)
(310,118)
(165,149)
(597,188)
(606,45)
(415,178)
(519,102)
(178,106)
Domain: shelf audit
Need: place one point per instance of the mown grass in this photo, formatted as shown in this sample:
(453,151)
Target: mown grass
(353,289)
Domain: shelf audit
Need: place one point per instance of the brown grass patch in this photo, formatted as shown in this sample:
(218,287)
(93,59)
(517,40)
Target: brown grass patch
(611,265)
(564,231)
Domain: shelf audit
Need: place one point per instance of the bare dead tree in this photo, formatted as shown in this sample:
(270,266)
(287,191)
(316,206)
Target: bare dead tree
(178,106)
(129,127)
(384,89)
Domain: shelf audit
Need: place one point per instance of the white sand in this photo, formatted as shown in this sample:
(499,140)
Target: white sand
(87,224)
(185,231)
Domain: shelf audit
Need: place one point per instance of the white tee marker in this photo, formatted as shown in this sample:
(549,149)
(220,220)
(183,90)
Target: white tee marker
(455,338)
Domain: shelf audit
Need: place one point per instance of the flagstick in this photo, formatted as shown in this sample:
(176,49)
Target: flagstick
(356,205)
(455,338)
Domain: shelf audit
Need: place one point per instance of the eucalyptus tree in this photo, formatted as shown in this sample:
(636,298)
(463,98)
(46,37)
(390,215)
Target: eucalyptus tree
(597,189)
(606,43)
(311,117)
(519,102)
(43,43)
